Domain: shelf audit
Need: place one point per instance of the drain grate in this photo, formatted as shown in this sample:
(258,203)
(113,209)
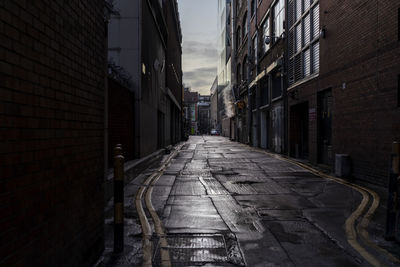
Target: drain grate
(195,250)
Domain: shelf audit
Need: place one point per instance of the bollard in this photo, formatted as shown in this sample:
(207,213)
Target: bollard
(392,230)
(118,200)
(117,150)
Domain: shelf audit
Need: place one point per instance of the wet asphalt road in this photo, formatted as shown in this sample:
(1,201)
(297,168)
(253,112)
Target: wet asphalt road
(222,203)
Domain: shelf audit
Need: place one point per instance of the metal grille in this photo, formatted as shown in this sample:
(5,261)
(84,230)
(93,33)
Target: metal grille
(315,52)
(291,13)
(291,43)
(315,13)
(196,249)
(299,10)
(307,30)
(297,67)
(306,62)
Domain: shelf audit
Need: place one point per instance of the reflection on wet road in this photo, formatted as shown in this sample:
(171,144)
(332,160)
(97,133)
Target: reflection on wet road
(223,204)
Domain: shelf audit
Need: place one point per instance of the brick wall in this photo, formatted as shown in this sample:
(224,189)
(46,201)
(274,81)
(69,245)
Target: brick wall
(361,49)
(51,132)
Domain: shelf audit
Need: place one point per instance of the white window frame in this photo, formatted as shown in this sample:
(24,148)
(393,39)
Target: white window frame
(305,45)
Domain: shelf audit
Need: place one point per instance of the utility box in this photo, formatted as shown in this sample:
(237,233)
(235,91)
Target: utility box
(342,165)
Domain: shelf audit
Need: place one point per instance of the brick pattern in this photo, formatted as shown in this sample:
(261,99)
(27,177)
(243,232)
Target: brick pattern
(52,66)
(361,49)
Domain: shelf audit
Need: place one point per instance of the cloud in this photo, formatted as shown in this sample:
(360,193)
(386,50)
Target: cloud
(199,49)
(200,79)
(199,65)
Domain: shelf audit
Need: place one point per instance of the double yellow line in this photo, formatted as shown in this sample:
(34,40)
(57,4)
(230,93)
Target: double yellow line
(352,231)
(146,191)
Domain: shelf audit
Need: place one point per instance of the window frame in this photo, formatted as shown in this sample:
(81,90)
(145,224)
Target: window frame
(304,46)
(266,19)
(281,14)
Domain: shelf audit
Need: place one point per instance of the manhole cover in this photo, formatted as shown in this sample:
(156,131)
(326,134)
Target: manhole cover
(195,250)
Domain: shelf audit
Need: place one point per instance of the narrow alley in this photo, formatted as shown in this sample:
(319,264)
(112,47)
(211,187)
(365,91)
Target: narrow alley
(222,203)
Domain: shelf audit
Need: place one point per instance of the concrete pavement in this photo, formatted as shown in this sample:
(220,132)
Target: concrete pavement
(221,203)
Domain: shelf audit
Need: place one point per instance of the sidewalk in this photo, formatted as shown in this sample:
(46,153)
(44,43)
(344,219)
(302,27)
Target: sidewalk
(135,173)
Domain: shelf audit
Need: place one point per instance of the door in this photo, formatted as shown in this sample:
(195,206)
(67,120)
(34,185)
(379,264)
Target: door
(325,100)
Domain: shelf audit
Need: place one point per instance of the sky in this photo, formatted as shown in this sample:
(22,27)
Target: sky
(199,46)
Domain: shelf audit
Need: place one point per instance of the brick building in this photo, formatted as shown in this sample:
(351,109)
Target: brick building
(326,82)
(266,77)
(52,86)
(343,93)
(240,68)
(190,111)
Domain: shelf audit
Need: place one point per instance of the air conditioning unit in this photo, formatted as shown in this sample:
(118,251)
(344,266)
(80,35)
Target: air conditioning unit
(342,165)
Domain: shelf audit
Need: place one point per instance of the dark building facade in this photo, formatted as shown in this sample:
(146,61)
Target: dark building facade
(240,68)
(345,101)
(204,116)
(190,111)
(52,109)
(266,74)
(145,40)
(311,83)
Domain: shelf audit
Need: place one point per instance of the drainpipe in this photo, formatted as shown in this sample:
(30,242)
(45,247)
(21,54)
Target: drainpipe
(233,62)
(249,94)
(258,93)
(284,82)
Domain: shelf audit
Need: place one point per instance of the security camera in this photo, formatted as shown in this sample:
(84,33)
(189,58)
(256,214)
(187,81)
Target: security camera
(267,40)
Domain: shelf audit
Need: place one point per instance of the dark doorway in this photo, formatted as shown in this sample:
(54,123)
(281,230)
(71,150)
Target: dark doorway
(325,101)
(161,130)
(299,130)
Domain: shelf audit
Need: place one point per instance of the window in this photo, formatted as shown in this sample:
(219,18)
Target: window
(244,70)
(238,38)
(253,7)
(303,39)
(265,29)
(279,17)
(238,73)
(264,92)
(244,23)
(255,49)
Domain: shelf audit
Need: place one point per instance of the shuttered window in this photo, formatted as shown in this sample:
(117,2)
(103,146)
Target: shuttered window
(299,9)
(298,37)
(303,39)
(315,61)
(307,62)
(315,14)
(307,30)
(265,28)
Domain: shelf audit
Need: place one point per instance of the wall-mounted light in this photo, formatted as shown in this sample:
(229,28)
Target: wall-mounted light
(322,33)
(268,39)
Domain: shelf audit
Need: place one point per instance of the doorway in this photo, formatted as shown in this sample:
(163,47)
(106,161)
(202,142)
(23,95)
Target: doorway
(325,101)
(299,131)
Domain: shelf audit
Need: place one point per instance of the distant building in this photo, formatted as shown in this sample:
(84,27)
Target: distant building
(204,115)
(214,119)
(224,65)
(190,111)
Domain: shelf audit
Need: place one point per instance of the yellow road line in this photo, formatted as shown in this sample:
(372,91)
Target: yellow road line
(147,188)
(351,233)
(146,229)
